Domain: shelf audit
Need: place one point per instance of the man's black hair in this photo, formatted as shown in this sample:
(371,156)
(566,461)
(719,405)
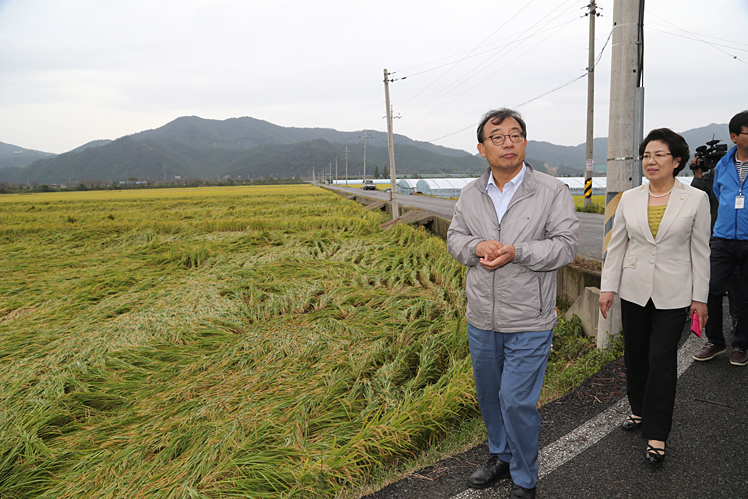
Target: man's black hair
(497,117)
(738,122)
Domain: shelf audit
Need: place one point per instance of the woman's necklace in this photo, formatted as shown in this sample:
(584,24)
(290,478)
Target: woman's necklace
(660,195)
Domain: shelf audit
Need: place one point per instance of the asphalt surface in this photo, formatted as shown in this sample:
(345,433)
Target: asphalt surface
(440,206)
(585,454)
(590,228)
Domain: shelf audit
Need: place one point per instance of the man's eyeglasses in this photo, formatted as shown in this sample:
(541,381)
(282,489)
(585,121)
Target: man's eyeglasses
(657,156)
(498,139)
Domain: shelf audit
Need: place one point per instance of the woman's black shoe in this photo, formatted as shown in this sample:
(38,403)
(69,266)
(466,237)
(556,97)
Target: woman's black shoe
(654,455)
(632,423)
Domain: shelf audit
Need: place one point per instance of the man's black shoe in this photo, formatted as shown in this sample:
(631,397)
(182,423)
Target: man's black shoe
(488,474)
(521,492)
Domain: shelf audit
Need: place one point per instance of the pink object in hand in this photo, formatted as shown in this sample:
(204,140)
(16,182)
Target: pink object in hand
(695,328)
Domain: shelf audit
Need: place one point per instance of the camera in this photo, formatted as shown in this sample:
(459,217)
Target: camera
(709,155)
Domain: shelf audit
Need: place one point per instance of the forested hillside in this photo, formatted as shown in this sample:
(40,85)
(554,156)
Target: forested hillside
(241,148)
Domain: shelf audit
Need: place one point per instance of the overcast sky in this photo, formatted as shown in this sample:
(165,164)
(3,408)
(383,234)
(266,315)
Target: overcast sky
(72,71)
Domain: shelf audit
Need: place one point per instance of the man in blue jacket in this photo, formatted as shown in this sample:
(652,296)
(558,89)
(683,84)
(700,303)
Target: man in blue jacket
(729,246)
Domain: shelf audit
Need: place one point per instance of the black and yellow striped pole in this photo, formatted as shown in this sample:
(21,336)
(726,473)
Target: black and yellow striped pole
(589,167)
(611,205)
(587,190)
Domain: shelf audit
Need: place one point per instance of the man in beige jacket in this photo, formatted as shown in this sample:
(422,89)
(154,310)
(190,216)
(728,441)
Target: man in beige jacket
(512,227)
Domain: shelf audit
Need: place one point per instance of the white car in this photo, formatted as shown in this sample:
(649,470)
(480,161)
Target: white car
(369,185)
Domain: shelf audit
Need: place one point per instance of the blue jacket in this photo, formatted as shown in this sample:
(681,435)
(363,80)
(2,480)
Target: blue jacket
(731,223)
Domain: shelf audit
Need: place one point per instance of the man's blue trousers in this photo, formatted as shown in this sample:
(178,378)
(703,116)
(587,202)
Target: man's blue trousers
(509,370)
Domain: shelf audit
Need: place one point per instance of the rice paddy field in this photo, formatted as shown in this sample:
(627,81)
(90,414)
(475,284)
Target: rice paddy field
(227,342)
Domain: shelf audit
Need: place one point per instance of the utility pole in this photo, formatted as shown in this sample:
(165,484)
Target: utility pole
(626,67)
(639,97)
(391,147)
(336,170)
(329,175)
(590,162)
(364,136)
(314,181)
(346,166)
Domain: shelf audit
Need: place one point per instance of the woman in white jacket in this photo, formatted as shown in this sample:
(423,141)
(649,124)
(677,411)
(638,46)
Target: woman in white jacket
(658,263)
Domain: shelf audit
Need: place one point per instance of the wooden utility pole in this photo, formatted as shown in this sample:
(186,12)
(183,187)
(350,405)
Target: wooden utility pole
(346,166)
(391,147)
(626,66)
(590,162)
(336,170)
(364,136)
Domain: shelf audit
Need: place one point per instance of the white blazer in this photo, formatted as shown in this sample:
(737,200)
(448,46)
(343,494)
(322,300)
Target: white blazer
(671,269)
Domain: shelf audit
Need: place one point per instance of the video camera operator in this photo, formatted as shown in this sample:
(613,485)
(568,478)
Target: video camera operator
(703,181)
(702,165)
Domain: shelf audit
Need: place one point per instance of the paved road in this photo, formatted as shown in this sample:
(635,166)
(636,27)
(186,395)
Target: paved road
(442,207)
(591,224)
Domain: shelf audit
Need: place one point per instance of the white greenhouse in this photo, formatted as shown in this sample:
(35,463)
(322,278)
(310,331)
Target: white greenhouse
(442,187)
(452,187)
(407,185)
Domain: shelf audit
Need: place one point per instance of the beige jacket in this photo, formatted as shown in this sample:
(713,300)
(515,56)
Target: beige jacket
(671,269)
(541,224)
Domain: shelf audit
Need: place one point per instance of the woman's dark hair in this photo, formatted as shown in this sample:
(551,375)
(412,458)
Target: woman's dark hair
(676,143)
(497,117)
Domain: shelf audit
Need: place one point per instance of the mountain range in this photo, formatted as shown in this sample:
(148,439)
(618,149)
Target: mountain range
(193,147)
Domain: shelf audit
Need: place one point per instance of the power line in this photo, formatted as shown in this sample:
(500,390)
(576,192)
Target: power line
(692,38)
(541,26)
(477,46)
(597,61)
(471,51)
(483,80)
(551,91)
(513,41)
(698,38)
(519,105)
(600,55)
(517,41)
(445,136)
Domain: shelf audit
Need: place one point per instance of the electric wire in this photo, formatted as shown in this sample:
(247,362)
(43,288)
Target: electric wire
(699,38)
(487,51)
(519,55)
(482,81)
(650,28)
(465,57)
(517,41)
(597,61)
(477,46)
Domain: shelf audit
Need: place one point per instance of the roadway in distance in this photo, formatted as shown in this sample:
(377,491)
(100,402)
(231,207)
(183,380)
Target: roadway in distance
(590,227)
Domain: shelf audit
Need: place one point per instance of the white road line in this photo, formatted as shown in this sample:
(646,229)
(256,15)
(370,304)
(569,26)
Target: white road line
(558,453)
